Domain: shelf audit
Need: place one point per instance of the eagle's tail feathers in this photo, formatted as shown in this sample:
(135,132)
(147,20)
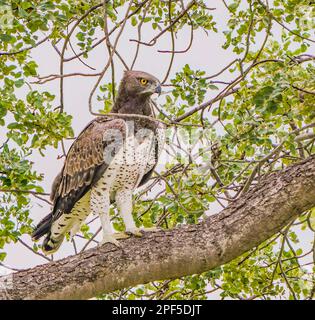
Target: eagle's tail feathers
(42,228)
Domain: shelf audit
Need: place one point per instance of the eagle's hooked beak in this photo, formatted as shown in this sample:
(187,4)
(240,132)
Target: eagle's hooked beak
(158,89)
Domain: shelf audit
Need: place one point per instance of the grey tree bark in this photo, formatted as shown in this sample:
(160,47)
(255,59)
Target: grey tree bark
(191,249)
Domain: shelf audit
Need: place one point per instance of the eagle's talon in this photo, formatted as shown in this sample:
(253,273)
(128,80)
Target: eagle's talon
(136,232)
(121,235)
(110,239)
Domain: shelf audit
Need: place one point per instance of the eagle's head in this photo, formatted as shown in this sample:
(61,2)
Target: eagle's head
(139,83)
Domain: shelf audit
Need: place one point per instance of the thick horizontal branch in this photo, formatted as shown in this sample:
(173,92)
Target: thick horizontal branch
(191,249)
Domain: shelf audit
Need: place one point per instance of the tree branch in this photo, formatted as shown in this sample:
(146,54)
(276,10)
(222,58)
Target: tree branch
(191,249)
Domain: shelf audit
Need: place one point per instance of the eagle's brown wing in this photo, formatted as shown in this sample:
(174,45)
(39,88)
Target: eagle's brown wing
(84,163)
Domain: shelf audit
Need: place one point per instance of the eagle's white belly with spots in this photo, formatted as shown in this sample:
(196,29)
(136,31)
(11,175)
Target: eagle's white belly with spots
(128,167)
(119,181)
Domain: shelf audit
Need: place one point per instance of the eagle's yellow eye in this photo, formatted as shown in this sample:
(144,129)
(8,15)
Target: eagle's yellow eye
(143,81)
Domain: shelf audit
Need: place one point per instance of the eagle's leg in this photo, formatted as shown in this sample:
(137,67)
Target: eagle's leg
(100,205)
(124,204)
(108,235)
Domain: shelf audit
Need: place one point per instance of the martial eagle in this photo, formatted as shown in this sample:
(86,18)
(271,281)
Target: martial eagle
(110,158)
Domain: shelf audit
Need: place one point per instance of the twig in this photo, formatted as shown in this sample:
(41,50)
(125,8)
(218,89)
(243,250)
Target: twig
(30,248)
(152,42)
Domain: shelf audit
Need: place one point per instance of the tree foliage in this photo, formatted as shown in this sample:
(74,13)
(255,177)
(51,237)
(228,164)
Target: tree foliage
(260,120)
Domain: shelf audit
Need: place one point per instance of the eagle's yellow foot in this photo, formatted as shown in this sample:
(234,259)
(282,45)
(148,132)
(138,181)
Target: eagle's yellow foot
(136,232)
(110,239)
(121,235)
